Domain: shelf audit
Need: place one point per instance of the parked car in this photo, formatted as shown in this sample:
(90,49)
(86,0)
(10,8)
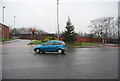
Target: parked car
(51,46)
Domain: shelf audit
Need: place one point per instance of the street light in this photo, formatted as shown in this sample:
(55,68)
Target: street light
(14,26)
(118,30)
(3,23)
(58,18)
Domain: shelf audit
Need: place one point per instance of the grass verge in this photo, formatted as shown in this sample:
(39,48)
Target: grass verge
(35,42)
(82,44)
(7,39)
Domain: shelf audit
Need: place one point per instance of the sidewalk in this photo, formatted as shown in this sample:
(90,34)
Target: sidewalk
(87,46)
(11,41)
(104,45)
(111,45)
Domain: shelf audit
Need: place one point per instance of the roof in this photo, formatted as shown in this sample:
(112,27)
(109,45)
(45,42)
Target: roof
(4,25)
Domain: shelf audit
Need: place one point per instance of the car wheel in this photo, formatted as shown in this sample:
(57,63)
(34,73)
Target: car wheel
(59,51)
(37,50)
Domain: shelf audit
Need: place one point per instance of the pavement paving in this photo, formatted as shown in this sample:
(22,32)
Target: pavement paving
(20,62)
(16,40)
(111,45)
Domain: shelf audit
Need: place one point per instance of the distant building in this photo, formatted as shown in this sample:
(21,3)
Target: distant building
(4,31)
(35,36)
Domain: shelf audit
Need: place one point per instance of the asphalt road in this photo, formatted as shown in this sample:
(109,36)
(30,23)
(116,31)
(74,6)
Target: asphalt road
(20,62)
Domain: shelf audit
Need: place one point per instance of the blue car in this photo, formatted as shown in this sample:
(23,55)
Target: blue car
(51,46)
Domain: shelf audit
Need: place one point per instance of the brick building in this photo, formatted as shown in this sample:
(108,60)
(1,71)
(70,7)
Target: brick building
(4,31)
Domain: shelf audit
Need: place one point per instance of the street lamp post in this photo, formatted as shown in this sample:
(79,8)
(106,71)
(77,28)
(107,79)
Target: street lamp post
(119,30)
(58,18)
(14,26)
(3,24)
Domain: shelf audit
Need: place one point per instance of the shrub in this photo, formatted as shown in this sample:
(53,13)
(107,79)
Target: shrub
(47,39)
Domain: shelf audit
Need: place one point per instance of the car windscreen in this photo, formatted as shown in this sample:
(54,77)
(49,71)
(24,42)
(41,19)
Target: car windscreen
(62,43)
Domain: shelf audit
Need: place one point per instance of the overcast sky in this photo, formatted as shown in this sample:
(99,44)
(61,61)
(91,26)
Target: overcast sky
(42,13)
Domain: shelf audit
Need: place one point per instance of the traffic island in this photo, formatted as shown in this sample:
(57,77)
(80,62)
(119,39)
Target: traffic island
(75,44)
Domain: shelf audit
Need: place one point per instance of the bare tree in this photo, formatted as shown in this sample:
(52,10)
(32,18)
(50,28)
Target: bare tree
(118,29)
(104,28)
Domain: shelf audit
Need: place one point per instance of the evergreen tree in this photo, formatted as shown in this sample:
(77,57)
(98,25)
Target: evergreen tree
(69,34)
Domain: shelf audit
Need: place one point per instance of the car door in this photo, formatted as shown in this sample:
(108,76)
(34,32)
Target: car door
(54,46)
(46,46)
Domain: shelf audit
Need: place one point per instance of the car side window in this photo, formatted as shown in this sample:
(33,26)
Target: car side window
(55,43)
(47,43)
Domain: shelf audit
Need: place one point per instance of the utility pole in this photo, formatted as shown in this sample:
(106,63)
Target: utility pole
(3,24)
(58,18)
(119,30)
(14,26)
